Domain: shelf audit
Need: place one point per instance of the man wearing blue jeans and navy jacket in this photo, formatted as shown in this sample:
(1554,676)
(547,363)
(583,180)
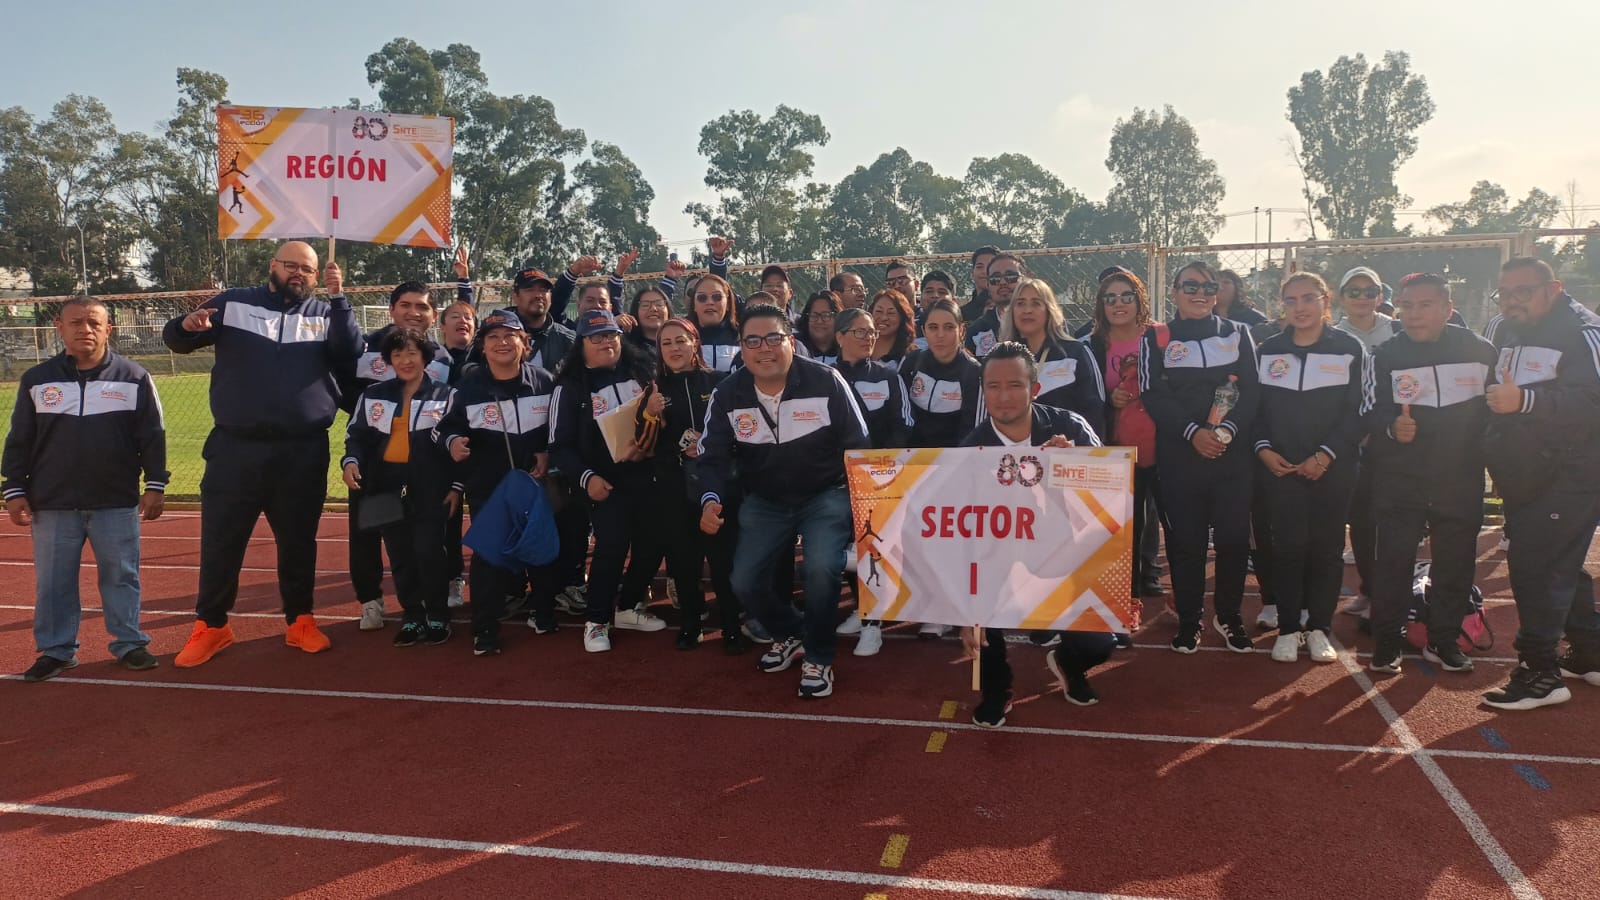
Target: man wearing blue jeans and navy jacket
(784,423)
(273,398)
(85,424)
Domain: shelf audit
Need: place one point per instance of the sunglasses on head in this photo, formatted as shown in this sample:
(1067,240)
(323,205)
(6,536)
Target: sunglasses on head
(1194,287)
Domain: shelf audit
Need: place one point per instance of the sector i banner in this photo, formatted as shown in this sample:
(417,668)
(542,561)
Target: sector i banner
(351,174)
(1005,537)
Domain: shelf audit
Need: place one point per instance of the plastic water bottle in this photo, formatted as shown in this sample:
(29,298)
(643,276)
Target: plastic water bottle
(1223,401)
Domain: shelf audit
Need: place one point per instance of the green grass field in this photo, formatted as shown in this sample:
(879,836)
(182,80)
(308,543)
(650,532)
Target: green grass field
(186,401)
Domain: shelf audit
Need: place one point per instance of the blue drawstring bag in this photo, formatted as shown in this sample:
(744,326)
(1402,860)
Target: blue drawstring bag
(515,528)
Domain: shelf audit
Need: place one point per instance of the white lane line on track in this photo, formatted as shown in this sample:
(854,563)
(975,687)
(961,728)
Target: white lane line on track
(562,854)
(571,705)
(1521,886)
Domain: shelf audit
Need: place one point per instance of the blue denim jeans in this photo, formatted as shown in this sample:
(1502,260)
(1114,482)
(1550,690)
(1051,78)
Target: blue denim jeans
(767,529)
(58,538)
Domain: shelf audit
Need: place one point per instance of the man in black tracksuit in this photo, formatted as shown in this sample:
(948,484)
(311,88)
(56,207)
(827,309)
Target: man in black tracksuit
(784,423)
(409,307)
(1010,382)
(274,393)
(1543,452)
(1205,479)
(1426,453)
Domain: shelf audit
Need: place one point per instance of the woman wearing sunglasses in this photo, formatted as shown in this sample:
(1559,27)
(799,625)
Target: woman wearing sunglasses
(815,326)
(1068,377)
(1201,391)
(1316,384)
(887,410)
(712,309)
(1121,318)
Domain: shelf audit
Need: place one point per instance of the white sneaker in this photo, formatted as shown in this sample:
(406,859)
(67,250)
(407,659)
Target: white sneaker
(1268,619)
(457,585)
(1504,545)
(596,638)
(849,626)
(1320,649)
(372,615)
(1359,606)
(637,619)
(930,631)
(870,642)
(1287,647)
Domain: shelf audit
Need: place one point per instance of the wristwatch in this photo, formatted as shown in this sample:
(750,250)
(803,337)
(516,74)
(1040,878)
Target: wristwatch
(1223,437)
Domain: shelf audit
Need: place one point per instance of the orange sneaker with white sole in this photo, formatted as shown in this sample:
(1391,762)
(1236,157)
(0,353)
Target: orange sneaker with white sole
(204,642)
(305,635)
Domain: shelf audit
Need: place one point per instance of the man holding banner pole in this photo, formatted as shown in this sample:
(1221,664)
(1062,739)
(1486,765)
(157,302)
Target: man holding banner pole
(1010,382)
(274,394)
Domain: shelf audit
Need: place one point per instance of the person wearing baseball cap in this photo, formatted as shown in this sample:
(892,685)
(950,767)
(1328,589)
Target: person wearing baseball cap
(775,281)
(549,341)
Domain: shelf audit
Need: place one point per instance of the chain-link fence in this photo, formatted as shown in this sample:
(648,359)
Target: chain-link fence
(27,335)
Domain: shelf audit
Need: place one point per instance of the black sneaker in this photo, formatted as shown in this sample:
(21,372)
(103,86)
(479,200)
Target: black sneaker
(1528,689)
(1585,667)
(47,667)
(1187,640)
(1447,657)
(734,644)
(1074,685)
(435,632)
(485,645)
(781,655)
(1045,638)
(410,633)
(992,712)
(1237,635)
(1152,587)
(543,623)
(1386,658)
(688,638)
(139,659)
(1121,641)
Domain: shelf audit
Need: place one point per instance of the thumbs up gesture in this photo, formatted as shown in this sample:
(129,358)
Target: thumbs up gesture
(1504,398)
(1405,427)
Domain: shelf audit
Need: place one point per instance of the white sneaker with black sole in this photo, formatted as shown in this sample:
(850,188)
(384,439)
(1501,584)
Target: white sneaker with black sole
(870,641)
(816,680)
(372,615)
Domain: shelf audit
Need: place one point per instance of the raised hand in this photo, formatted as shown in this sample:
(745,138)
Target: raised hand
(460,265)
(199,320)
(626,261)
(1505,397)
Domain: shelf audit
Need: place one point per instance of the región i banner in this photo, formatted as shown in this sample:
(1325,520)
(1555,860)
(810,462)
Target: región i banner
(1005,537)
(350,174)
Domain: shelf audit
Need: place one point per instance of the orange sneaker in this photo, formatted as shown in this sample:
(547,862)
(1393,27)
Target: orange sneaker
(204,642)
(305,635)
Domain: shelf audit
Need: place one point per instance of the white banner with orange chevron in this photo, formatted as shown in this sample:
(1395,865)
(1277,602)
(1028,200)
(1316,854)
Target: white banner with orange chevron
(343,173)
(1005,537)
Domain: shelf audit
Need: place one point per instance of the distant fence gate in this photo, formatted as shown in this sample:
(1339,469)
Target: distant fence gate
(1471,262)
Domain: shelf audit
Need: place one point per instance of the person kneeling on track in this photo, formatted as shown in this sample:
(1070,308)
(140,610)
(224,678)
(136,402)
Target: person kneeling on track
(392,457)
(1010,382)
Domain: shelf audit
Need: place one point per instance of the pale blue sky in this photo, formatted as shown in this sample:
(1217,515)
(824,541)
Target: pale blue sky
(946,80)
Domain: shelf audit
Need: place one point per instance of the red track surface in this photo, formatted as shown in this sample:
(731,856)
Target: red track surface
(651,773)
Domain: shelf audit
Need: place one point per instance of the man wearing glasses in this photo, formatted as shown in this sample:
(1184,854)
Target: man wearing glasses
(1005,271)
(274,394)
(898,276)
(783,424)
(1543,452)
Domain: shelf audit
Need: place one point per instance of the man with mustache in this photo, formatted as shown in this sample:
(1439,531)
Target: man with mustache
(274,393)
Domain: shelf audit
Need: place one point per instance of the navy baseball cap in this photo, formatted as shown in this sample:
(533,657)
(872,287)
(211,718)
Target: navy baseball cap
(597,321)
(501,318)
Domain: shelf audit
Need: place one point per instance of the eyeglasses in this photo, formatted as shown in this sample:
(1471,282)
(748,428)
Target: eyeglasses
(754,341)
(604,337)
(678,342)
(1312,299)
(824,316)
(500,336)
(865,334)
(708,298)
(1371,293)
(294,268)
(1126,298)
(1010,276)
(1194,287)
(1517,294)
(900,280)
(652,304)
